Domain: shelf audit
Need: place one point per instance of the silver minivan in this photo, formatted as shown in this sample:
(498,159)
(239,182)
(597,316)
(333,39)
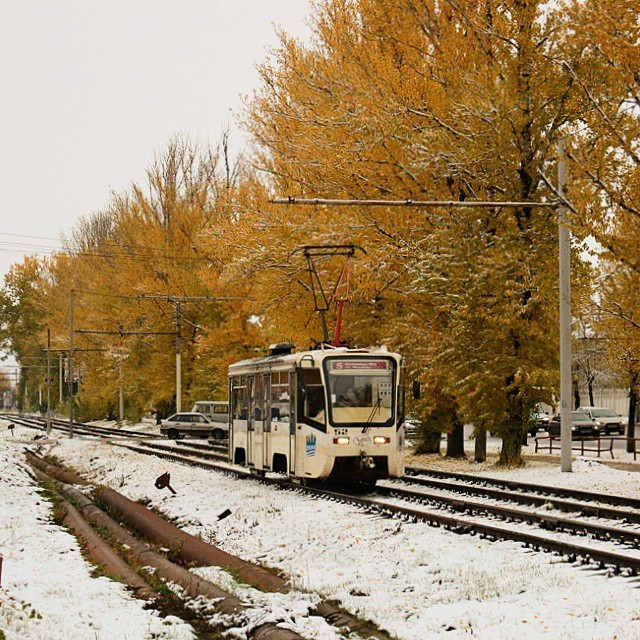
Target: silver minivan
(218,413)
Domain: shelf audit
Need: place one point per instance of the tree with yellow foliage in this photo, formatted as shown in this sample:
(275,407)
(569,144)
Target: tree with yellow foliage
(453,100)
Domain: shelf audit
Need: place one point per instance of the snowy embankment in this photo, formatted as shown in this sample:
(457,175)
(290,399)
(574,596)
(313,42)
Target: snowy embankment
(415,581)
(48,592)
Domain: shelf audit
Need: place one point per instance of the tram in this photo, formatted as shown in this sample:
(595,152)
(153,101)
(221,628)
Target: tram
(330,414)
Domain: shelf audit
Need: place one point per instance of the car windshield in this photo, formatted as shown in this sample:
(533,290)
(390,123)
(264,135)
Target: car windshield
(604,413)
(578,416)
(360,390)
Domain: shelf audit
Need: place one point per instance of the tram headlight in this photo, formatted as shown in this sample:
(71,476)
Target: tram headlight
(341,440)
(381,439)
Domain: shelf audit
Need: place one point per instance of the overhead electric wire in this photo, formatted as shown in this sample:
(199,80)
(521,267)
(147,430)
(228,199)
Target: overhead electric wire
(23,235)
(108,256)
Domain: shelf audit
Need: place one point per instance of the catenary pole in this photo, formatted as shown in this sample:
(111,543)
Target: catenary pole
(48,381)
(60,377)
(120,396)
(71,363)
(178,360)
(565,316)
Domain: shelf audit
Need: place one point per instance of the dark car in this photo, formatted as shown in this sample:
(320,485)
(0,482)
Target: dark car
(581,426)
(606,420)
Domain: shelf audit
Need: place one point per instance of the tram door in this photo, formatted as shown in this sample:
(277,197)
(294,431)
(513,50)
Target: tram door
(256,430)
(266,413)
(250,421)
(292,424)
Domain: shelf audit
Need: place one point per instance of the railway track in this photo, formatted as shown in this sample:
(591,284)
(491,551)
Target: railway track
(540,531)
(478,482)
(598,530)
(79,428)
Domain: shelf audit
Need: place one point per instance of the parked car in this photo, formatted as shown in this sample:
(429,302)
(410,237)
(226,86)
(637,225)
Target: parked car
(411,425)
(189,423)
(581,426)
(538,420)
(607,420)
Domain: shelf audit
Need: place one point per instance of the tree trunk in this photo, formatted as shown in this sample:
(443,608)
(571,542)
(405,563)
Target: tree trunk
(591,402)
(576,394)
(631,426)
(455,440)
(480,453)
(511,452)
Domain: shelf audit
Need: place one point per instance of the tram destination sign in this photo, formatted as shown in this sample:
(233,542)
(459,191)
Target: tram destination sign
(351,365)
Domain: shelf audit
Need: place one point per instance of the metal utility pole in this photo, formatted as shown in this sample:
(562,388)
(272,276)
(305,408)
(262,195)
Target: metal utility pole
(60,378)
(48,381)
(177,300)
(120,396)
(71,363)
(178,360)
(565,316)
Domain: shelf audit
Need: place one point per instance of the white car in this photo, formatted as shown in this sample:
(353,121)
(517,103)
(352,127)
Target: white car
(607,420)
(189,423)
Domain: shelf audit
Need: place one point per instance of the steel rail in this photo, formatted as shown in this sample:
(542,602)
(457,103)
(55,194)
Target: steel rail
(584,508)
(36,422)
(527,486)
(546,522)
(196,458)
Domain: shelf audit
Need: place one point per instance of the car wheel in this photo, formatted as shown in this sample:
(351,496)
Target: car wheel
(173,434)
(217,434)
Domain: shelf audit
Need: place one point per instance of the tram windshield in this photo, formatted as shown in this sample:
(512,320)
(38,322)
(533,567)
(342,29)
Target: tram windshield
(360,390)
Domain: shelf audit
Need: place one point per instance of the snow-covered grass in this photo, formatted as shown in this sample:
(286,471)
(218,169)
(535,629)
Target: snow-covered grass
(416,581)
(47,589)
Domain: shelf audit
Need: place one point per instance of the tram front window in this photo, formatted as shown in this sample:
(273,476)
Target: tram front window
(360,391)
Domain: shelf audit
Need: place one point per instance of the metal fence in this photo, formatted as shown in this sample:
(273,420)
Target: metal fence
(585,445)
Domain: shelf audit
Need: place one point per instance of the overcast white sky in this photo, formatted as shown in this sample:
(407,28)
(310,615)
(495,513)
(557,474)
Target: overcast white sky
(92,88)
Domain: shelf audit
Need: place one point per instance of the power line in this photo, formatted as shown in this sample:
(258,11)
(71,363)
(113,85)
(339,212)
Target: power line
(22,235)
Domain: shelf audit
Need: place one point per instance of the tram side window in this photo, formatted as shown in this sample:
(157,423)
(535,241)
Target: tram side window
(257,397)
(239,398)
(311,397)
(280,409)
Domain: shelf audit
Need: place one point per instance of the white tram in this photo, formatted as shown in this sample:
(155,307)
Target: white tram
(332,413)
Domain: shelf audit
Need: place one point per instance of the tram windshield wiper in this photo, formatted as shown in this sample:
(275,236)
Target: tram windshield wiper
(376,408)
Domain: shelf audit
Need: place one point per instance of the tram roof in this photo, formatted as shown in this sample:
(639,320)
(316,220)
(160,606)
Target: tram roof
(291,359)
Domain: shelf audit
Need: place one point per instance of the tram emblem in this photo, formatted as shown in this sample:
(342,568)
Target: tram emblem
(311,445)
(361,441)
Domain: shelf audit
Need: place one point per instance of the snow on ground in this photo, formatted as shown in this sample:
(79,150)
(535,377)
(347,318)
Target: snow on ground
(416,581)
(47,589)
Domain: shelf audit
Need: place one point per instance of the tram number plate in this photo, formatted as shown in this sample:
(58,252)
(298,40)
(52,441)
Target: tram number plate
(341,432)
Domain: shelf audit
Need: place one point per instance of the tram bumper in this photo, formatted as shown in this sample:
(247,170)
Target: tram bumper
(360,468)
